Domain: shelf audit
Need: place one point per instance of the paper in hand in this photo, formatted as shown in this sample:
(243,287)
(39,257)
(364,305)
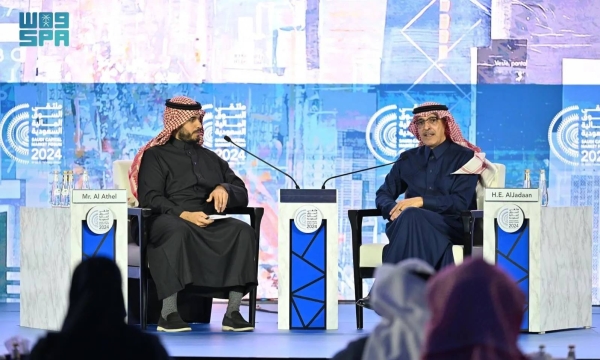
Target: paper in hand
(218,217)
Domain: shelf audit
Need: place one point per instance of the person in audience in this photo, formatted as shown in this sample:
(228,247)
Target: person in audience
(399,298)
(476,314)
(184,184)
(95,327)
(427,222)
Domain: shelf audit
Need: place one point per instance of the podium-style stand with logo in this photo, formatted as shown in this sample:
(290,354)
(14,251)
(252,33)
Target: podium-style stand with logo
(308,259)
(55,240)
(547,251)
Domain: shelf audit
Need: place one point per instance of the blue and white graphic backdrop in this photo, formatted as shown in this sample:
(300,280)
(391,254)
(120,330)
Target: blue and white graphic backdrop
(315,87)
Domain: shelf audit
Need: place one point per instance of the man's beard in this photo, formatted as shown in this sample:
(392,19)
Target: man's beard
(189,137)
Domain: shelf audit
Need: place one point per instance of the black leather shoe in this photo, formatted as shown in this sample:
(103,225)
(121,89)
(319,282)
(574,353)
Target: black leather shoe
(235,322)
(172,323)
(365,302)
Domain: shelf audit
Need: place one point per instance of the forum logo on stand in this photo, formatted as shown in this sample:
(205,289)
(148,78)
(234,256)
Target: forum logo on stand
(574,135)
(308,219)
(387,133)
(510,218)
(33,135)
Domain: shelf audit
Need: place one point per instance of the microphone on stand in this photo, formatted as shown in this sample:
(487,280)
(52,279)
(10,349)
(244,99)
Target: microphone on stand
(402,157)
(228,139)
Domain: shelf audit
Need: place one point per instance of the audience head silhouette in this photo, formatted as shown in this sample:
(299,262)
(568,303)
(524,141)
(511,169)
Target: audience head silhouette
(476,313)
(399,296)
(96,296)
(399,291)
(94,328)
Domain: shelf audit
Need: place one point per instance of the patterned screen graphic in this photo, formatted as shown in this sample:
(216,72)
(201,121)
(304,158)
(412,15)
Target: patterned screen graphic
(315,87)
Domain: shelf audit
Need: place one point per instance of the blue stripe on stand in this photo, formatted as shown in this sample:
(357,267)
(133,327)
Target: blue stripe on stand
(308,282)
(512,255)
(98,245)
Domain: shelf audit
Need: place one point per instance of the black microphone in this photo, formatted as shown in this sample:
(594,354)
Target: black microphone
(402,157)
(228,139)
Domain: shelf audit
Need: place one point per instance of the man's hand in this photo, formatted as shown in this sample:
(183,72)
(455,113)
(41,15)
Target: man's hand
(220,196)
(197,218)
(403,204)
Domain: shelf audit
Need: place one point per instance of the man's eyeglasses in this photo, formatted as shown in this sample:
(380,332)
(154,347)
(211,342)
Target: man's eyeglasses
(431,121)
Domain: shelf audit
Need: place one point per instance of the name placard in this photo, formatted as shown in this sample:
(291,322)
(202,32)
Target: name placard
(525,195)
(99,196)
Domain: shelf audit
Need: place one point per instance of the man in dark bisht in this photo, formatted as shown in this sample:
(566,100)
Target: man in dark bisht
(437,185)
(95,328)
(183,183)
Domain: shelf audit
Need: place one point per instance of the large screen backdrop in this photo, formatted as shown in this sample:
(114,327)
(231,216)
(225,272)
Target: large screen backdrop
(315,87)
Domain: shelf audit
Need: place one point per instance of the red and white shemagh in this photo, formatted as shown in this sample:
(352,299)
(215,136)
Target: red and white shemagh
(476,313)
(173,119)
(478,164)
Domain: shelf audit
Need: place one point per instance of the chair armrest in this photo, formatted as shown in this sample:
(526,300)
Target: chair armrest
(242,210)
(256,215)
(366,212)
(475,214)
(356,218)
(468,220)
(139,212)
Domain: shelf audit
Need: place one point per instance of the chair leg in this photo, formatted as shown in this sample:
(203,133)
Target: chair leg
(252,308)
(143,300)
(358,289)
(206,310)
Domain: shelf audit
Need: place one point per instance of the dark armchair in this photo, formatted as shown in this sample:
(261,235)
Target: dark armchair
(366,257)
(137,257)
(138,262)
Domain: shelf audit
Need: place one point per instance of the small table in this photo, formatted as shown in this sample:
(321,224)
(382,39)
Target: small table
(53,243)
(549,255)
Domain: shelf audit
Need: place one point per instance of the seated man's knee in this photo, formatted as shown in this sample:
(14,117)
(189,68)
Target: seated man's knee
(180,232)
(169,225)
(410,213)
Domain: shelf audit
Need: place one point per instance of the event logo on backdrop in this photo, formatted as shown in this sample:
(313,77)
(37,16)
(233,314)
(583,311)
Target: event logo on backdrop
(33,135)
(387,133)
(35,28)
(574,135)
(226,121)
